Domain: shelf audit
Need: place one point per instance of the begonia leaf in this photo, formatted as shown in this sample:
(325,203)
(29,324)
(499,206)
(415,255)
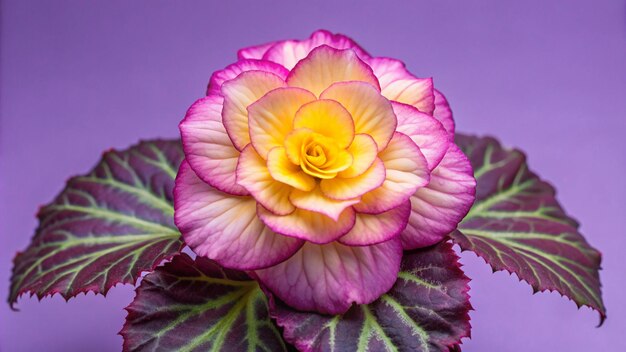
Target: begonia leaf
(105,227)
(517,225)
(196,305)
(426,310)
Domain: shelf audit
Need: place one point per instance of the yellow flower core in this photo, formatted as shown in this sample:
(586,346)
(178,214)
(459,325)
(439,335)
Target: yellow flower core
(317,155)
(323,131)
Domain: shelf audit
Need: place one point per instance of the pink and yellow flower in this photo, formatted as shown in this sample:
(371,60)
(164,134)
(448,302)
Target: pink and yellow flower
(314,165)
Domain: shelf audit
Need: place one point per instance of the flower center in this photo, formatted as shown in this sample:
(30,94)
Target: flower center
(317,155)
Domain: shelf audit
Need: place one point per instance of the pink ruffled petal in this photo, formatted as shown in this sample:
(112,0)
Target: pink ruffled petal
(252,173)
(407,171)
(255,52)
(289,52)
(325,66)
(230,72)
(309,225)
(207,147)
(225,228)
(330,278)
(437,208)
(428,133)
(348,188)
(239,93)
(316,201)
(371,229)
(443,113)
(396,83)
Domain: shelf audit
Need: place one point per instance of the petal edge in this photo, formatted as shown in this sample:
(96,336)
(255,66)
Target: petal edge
(225,228)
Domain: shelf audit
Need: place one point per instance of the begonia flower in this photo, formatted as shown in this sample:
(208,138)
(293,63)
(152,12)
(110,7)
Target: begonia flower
(314,165)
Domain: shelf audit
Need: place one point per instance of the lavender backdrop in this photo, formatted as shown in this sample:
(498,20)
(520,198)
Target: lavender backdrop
(79,77)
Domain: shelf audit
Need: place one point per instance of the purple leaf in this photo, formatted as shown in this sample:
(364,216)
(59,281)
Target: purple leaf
(188,305)
(517,225)
(105,227)
(426,310)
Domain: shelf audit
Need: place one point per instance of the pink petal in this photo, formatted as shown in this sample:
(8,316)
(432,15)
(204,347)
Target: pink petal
(230,72)
(437,208)
(289,52)
(252,173)
(428,133)
(371,229)
(325,66)
(396,83)
(407,171)
(330,278)
(309,225)
(255,52)
(207,147)
(239,93)
(443,113)
(226,228)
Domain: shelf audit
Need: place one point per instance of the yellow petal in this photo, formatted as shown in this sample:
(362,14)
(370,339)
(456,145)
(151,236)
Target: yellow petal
(328,118)
(318,155)
(346,188)
(335,161)
(271,117)
(316,201)
(253,175)
(325,66)
(364,151)
(294,142)
(406,171)
(372,113)
(239,93)
(287,172)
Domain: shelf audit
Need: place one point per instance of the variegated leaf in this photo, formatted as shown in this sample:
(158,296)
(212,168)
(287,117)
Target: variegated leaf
(196,305)
(105,227)
(517,225)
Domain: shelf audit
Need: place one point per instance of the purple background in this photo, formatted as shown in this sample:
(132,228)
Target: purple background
(78,78)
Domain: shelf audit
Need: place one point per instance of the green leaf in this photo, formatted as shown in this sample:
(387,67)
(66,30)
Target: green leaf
(517,225)
(189,305)
(426,310)
(105,227)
